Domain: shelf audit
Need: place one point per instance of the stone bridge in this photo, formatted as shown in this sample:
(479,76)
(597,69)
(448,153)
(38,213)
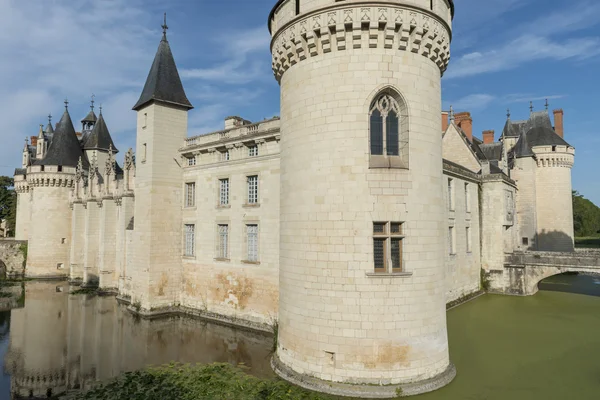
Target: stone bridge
(524,270)
(12,258)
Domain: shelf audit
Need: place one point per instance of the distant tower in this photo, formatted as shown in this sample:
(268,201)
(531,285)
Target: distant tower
(51,180)
(162,116)
(362,293)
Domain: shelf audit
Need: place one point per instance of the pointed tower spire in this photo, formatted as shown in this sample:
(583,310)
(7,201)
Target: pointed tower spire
(64,149)
(90,119)
(49,129)
(163,83)
(99,138)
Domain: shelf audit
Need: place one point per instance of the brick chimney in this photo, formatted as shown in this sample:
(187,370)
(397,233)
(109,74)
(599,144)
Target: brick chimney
(488,137)
(34,141)
(444,121)
(465,122)
(558,122)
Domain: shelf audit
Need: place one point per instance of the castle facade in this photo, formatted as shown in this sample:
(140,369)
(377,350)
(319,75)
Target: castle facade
(351,220)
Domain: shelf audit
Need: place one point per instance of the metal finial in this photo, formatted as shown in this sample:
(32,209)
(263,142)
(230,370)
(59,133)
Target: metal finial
(531,106)
(93,101)
(66,103)
(508,113)
(50,119)
(451,113)
(100,108)
(547,105)
(164,26)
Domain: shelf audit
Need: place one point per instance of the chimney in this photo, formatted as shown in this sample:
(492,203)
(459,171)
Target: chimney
(465,122)
(558,123)
(488,137)
(444,121)
(34,141)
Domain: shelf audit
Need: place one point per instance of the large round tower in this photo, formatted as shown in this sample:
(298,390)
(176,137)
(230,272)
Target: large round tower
(51,180)
(362,297)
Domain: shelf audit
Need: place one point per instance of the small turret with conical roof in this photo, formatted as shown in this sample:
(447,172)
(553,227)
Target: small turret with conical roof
(163,83)
(64,149)
(90,119)
(99,138)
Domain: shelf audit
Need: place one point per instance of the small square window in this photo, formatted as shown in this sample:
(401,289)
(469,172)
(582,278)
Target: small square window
(253,151)
(192,161)
(396,228)
(379,228)
(525,241)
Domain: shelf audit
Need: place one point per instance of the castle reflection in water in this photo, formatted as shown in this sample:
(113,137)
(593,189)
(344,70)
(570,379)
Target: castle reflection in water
(59,341)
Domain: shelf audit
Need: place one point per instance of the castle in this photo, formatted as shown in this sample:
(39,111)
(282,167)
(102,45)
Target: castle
(351,220)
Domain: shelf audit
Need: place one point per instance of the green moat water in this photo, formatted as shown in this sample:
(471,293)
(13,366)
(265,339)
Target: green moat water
(542,347)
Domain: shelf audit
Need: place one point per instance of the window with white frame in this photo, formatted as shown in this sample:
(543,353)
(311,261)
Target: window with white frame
(387,247)
(223,247)
(467,198)
(192,161)
(224,192)
(451,194)
(253,151)
(225,155)
(252,189)
(451,241)
(190,194)
(252,242)
(468,234)
(189,231)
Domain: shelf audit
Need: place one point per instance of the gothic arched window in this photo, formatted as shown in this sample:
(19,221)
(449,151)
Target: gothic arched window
(388,131)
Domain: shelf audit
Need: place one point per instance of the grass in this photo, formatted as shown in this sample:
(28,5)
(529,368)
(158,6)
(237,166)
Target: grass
(588,242)
(92,291)
(191,382)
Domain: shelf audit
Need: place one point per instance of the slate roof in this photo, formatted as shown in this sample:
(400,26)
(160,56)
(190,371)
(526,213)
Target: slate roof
(492,151)
(163,82)
(21,171)
(99,138)
(91,117)
(49,129)
(64,149)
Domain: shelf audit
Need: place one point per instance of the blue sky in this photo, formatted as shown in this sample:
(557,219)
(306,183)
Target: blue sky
(504,54)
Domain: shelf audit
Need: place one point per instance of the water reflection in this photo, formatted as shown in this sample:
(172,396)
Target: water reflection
(59,341)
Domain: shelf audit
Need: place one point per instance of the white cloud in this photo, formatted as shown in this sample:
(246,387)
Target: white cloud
(520,51)
(473,102)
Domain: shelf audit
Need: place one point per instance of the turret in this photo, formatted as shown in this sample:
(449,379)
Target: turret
(52,179)
(90,119)
(363,220)
(162,116)
(98,141)
(26,156)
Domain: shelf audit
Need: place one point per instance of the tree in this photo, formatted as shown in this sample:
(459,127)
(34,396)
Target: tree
(8,202)
(586,216)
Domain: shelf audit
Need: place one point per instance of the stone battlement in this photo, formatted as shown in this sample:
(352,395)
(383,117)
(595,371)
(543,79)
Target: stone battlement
(339,28)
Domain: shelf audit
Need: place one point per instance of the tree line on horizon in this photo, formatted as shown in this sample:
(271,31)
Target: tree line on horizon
(586,215)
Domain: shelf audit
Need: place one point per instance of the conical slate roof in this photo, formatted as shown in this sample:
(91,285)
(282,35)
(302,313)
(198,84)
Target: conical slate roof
(49,129)
(64,149)
(91,117)
(99,138)
(163,82)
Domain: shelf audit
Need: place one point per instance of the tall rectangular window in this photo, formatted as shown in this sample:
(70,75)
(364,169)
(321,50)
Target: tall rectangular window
(225,155)
(451,244)
(192,161)
(223,192)
(387,247)
(252,240)
(253,151)
(468,234)
(252,189)
(223,249)
(467,198)
(451,194)
(190,194)
(189,231)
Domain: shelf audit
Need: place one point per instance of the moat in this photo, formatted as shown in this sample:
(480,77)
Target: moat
(542,347)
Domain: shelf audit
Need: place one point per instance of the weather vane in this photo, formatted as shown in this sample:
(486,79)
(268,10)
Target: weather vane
(50,118)
(508,113)
(165,27)
(531,106)
(547,105)
(66,103)
(93,101)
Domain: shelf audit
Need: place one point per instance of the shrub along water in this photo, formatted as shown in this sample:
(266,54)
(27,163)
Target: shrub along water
(192,382)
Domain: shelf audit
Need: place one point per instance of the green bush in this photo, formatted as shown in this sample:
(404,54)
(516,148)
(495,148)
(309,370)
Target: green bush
(193,382)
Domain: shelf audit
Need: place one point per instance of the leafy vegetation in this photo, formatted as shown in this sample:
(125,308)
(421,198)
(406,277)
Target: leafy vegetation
(8,203)
(586,217)
(589,242)
(92,291)
(191,382)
